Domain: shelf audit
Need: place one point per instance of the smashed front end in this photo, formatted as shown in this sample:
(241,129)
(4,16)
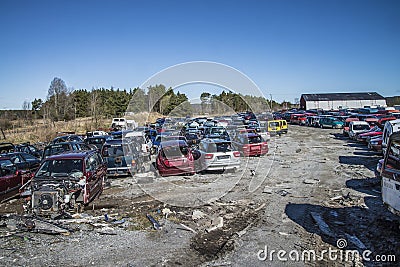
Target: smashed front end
(56,188)
(50,197)
(53,197)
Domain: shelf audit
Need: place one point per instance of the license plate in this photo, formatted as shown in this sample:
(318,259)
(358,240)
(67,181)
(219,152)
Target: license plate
(223,157)
(254,148)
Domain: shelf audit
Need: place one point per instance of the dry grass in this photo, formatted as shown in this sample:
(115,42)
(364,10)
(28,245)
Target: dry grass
(44,131)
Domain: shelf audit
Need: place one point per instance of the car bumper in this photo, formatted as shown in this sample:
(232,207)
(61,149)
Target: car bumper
(176,171)
(223,166)
(116,172)
(255,153)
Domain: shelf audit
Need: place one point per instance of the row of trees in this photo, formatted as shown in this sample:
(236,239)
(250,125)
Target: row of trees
(63,103)
(67,104)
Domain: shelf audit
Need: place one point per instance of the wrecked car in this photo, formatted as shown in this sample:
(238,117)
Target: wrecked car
(122,158)
(65,182)
(175,158)
(389,170)
(11,179)
(250,144)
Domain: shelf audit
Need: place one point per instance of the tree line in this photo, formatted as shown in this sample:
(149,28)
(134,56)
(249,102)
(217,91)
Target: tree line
(64,104)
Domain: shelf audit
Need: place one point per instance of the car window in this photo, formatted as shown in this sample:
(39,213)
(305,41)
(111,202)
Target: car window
(7,167)
(224,147)
(175,151)
(255,140)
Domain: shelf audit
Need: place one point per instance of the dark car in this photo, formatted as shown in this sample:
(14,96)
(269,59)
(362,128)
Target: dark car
(97,141)
(122,158)
(10,178)
(62,147)
(174,158)
(250,144)
(192,139)
(24,161)
(30,149)
(65,182)
(6,148)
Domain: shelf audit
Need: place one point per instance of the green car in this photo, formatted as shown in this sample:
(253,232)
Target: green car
(331,122)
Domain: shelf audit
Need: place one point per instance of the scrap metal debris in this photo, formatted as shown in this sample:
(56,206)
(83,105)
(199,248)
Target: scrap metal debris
(156,224)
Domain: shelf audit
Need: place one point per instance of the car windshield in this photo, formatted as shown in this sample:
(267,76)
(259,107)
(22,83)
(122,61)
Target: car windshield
(218,131)
(116,150)
(361,127)
(273,124)
(219,147)
(175,151)
(61,167)
(255,140)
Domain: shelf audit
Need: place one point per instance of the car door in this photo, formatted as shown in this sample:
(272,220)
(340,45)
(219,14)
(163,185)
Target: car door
(95,167)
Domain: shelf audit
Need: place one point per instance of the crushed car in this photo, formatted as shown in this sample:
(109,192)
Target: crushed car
(65,183)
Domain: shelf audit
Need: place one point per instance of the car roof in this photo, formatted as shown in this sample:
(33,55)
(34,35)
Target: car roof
(63,143)
(78,154)
(116,142)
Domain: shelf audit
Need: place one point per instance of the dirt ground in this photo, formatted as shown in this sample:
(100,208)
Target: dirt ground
(314,191)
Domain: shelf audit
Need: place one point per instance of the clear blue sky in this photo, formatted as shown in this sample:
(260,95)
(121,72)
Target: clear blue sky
(285,47)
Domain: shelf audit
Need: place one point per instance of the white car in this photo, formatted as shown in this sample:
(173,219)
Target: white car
(218,154)
(357,127)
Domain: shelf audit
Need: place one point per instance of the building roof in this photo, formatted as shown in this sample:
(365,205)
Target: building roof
(342,96)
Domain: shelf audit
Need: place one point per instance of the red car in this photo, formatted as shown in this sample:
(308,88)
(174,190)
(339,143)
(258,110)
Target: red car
(10,179)
(299,119)
(365,137)
(174,158)
(65,182)
(250,144)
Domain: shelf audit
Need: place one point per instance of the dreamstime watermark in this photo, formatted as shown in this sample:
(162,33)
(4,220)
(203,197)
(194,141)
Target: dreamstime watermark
(338,255)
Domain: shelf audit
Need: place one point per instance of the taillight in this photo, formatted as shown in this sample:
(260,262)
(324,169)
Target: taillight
(166,163)
(236,154)
(264,145)
(208,156)
(246,147)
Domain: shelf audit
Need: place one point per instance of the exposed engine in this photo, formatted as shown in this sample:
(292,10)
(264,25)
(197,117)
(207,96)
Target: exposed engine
(54,197)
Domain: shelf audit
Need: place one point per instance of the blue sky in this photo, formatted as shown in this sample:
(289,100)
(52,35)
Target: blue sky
(285,47)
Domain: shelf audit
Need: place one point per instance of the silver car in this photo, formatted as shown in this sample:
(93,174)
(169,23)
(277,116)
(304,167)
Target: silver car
(218,154)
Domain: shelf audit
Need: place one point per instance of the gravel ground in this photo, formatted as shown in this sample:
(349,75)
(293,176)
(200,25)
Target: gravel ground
(312,189)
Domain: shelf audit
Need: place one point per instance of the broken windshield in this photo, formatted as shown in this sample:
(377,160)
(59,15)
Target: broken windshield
(61,167)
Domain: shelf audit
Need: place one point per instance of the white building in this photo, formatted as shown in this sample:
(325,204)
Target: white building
(341,100)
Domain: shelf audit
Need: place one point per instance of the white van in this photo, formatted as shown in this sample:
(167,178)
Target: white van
(118,123)
(356,127)
(390,127)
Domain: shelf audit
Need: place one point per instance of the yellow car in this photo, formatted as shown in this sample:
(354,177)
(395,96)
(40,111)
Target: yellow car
(274,127)
(283,126)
